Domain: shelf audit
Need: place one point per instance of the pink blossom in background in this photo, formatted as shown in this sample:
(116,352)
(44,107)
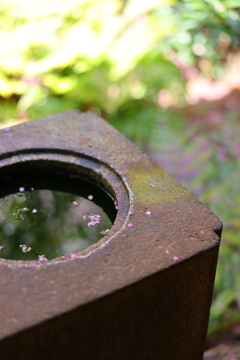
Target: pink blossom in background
(203,89)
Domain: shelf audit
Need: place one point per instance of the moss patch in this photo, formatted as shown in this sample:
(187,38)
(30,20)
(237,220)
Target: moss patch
(142,175)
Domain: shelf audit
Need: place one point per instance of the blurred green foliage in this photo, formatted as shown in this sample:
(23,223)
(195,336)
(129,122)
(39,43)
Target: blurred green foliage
(132,62)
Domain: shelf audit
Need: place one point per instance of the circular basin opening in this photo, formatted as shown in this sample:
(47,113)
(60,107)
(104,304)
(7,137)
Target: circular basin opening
(48,215)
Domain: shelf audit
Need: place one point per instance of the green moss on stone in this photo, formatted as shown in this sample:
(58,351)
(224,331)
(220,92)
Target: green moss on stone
(165,189)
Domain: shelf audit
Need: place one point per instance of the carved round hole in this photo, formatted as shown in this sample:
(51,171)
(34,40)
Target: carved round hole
(49,215)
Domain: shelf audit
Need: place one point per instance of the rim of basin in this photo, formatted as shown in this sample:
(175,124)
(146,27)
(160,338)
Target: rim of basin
(91,170)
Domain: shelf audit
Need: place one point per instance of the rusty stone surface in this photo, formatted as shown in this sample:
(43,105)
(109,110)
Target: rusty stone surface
(141,292)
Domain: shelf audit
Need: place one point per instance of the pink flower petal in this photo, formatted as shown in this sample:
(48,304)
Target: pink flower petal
(152,185)
(73,256)
(130,224)
(175,258)
(104,232)
(167,251)
(21,189)
(34,211)
(7,129)
(91,223)
(90,197)
(42,257)
(148,212)
(24,248)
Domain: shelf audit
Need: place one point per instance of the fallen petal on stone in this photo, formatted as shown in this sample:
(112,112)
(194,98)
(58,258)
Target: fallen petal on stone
(42,257)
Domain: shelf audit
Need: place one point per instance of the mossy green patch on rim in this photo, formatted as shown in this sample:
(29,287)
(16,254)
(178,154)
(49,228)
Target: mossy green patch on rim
(153,185)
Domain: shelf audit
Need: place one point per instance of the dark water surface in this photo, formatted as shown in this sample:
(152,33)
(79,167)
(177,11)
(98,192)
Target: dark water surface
(45,217)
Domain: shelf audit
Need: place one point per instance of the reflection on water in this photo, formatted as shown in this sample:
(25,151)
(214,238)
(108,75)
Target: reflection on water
(39,224)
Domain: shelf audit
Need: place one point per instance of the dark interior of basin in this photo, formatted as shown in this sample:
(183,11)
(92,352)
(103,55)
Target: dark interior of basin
(49,214)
